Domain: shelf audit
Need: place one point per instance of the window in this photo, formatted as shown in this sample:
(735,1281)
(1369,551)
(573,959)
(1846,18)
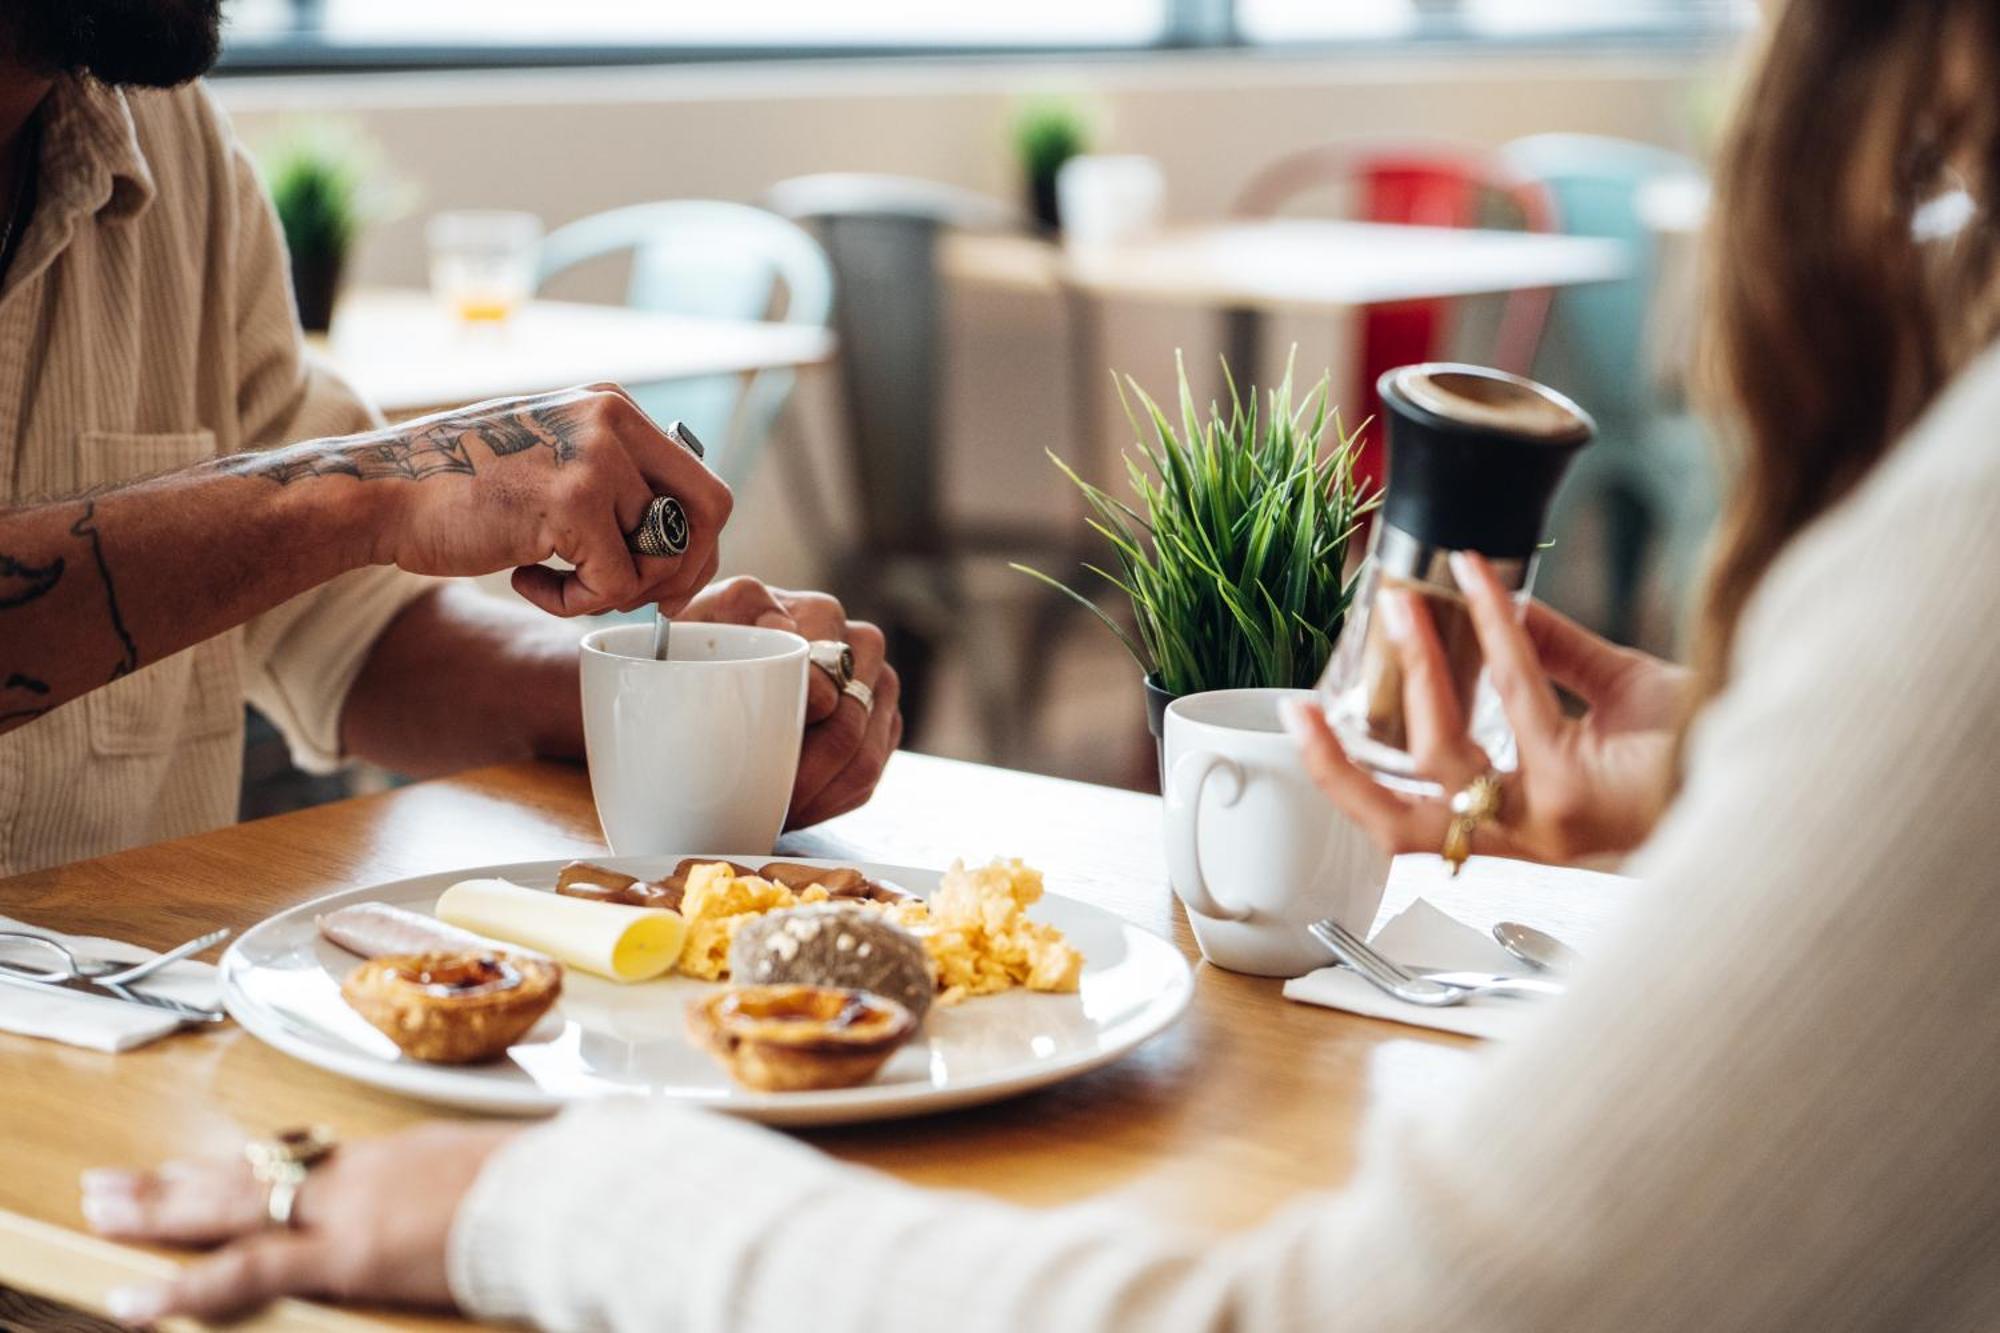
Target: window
(307,33)
(463,27)
(1279,21)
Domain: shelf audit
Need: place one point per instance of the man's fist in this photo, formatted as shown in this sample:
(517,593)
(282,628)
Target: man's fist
(515,482)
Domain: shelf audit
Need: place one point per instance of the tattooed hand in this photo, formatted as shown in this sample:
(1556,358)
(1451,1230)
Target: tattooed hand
(516,481)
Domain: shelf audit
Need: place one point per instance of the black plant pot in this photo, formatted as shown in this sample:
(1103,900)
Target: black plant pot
(316,285)
(1157,699)
(1042,202)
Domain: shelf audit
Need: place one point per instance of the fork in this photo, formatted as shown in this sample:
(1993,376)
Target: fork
(100,971)
(1410,987)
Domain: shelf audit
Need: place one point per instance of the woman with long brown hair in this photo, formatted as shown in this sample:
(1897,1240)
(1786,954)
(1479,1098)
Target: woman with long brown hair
(1761,1107)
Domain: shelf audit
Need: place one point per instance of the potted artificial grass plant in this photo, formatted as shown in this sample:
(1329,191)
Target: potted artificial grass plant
(1048,133)
(1234,553)
(325,181)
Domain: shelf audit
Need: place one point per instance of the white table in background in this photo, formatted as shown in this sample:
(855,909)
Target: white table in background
(408,355)
(1250,268)
(1292,263)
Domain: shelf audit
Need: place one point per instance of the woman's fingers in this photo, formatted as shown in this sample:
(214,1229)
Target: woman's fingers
(1378,810)
(1438,741)
(1511,663)
(245,1276)
(184,1203)
(1579,661)
(1396,823)
(198,1203)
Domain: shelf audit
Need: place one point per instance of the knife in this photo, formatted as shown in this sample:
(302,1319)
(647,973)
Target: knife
(188,1013)
(1523,985)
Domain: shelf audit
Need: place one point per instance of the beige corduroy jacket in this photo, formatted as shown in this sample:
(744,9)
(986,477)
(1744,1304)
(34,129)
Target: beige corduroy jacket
(146,323)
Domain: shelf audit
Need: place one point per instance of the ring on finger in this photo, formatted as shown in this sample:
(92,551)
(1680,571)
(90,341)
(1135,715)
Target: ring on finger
(662,531)
(861,693)
(679,433)
(833,657)
(1478,802)
(281,1164)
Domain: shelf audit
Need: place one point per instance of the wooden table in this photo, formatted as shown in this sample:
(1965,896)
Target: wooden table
(1249,1102)
(407,354)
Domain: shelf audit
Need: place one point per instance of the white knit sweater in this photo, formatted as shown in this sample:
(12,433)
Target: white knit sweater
(1787,1120)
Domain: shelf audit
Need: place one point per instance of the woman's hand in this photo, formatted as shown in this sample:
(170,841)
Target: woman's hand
(846,744)
(1585,785)
(370,1223)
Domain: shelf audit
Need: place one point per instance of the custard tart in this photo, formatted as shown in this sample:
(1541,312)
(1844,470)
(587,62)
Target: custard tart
(799,1038)
(453,1008)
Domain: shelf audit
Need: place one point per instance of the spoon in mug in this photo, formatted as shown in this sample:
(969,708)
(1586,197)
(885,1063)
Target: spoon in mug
(1537,948)
(663,625)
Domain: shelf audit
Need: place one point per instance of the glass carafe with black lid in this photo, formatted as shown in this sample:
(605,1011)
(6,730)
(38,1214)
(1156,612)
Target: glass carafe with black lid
(1474,459)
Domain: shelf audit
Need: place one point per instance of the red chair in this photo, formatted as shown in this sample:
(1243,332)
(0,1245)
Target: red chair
(1414,184)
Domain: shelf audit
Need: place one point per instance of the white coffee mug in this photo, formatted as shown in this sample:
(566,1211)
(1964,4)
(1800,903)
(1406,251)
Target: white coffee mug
(1103,199)
(697,753)
(1254,849)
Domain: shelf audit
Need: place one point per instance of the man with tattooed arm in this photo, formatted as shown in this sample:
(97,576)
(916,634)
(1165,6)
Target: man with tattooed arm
(192,514)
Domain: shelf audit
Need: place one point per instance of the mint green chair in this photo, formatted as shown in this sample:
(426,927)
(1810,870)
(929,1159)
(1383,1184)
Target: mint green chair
(1647,480)
(721,260)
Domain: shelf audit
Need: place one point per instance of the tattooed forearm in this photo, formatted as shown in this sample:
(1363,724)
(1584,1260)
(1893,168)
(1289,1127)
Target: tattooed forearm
(436,448)
(58,632)
(409,459)
(21,583)
(16,710)
(86,527)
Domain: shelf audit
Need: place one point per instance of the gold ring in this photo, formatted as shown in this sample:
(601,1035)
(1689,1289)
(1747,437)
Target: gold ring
(833,657)
(282,1163)
(1477,803)
(865,696)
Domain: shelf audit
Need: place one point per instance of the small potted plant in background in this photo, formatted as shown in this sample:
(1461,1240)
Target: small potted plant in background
(1235,554)
(1047,133)
(326,180)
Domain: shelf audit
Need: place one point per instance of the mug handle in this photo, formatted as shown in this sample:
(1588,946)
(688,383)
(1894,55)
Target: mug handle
(1184,786)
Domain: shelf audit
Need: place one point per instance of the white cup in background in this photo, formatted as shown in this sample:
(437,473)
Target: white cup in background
(1104,199)
(696,754)
(1254,849)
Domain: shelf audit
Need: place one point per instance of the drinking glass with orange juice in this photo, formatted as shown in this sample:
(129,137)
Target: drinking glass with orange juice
(483,261)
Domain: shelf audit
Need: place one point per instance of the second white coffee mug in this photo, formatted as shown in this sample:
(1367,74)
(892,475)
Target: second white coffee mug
(698,753)
(1254,849)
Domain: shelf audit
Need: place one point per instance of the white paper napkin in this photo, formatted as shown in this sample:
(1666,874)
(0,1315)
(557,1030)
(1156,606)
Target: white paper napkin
(1424,937)
(106,1024)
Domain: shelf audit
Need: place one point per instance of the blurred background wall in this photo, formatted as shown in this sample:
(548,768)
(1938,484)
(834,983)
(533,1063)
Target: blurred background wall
(568,143)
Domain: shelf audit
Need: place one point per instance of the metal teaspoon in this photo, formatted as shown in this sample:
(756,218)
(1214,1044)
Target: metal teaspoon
(1537,948)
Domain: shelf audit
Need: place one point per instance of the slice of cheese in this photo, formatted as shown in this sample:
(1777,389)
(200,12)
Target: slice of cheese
(610,939)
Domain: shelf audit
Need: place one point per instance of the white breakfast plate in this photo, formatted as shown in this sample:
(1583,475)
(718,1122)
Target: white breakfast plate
(281,981)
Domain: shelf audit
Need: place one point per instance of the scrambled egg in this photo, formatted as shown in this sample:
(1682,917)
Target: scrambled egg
(977,931)
(975,927)
(717,901)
